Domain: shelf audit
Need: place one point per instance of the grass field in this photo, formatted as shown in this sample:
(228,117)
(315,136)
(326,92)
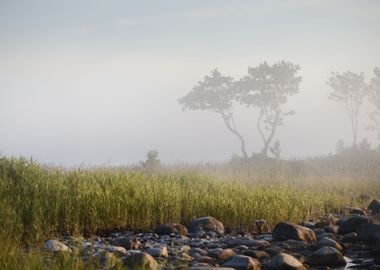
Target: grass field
(38,202)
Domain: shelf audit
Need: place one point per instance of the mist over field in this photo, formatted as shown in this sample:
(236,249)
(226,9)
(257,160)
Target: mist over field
(97,82)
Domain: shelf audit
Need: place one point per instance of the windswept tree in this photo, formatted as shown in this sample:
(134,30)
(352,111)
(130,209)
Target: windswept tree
(349,89)
(215,93)
(374,97)
(267,88)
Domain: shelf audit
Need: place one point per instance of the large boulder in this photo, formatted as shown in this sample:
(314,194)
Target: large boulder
(326,256)
(167,229)
(286,230)
(141,261)
(374,207)
(369,233)
(328,242)
(352,223)
(55,246)
(205,225)
(242,262)
(284,261)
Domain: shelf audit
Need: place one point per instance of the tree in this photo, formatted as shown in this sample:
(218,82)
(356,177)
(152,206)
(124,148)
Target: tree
(215,93)
(374,98)
(349,89)
(267,88)
(152,162)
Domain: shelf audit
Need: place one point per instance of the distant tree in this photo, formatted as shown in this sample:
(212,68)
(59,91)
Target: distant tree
(152,162)
(349,89)
(267,88)
(374,97)
(215,93)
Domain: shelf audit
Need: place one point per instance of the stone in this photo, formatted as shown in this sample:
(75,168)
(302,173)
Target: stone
(356,211)
(247,242)
(171,228)
(284,261)
(328,242)
(352,223)
(326,256)
(205,225)
(242,262)
(369,233)
(209,268)
(374,206)
(55,246)
(286,230)
(257,254)
(158,251)
(127,242)
(222,254)
(120,251)
(332,229)
(349,237)
(141,261)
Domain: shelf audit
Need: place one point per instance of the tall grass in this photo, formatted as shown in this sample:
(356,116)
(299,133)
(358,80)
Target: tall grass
(38,202)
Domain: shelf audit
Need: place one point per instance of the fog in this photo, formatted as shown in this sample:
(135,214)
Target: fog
(97,82)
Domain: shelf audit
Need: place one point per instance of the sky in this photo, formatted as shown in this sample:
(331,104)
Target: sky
(97,82)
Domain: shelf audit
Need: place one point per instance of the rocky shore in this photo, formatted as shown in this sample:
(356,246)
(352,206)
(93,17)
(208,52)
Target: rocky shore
(343,241)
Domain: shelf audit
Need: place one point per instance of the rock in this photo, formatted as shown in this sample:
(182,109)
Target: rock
(261,226)
(350,237)
(285,231)
(328,242)
(120,251)
(326,256)
(332,229)
(205,225)
(242,262)
(141,261)
(356,211)
(284,261)
(374,207)
(127,242)
(257,254)
(247,242)
(175,228)
(352,223)
(323,235)
(222,254)
(209,268)
(369,233)
(158,251)
(55,246)
(294,245)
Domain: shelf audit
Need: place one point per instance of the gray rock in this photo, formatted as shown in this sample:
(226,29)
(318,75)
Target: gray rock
(55,246)
(350,237)
(127,242)
(167,229)
(374,207)
(284,261)
(369,233)
(328,242)
(141,261)
(286,230)
(222,254)
(205,225)
(257,254)
(332,229)
(352,223)
(326,256)
(158,251)
(247,242)
(356,211)
(242,262)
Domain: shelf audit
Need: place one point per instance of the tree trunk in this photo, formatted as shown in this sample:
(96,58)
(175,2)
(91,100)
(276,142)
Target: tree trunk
(226,120)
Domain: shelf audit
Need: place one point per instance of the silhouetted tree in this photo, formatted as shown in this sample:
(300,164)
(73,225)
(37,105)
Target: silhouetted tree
(267,88)
(374,97)
(152,162)
(215,93)
(349,89)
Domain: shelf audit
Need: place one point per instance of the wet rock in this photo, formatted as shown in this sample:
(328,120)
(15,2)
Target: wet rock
(171,228)
(142,261)
(352,223)
(257,254)
(55,246)
(285,231)
(242,262)
(326,256)
(158,251)
(205,225)
(374,206)
(369,233)
(328,242)
(284,261)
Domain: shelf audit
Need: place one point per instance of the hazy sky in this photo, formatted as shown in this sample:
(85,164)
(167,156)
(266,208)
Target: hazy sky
(98,81)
